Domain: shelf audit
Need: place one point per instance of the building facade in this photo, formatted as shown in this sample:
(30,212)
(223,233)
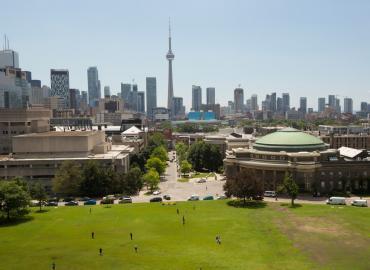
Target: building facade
(211,95)
(196,98)
(93,86)
(239,100)
(151,95)
(59,81)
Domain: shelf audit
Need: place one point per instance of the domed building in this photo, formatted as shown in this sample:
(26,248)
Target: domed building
(314,167)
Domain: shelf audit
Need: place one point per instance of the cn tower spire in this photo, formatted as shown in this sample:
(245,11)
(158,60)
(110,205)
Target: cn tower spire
(170,56)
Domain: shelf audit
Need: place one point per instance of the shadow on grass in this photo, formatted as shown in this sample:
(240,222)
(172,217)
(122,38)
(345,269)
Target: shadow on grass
(247,204)
(296,205)
(41,211)
(14,221)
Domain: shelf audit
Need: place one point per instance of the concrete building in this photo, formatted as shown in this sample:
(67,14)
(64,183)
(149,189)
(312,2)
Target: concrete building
(211,95)
(59,79)
(239,100)
(15,90)
(151,95)
(178,108)
(21,121)
(106,91)
(93,86)
(37,156)
(196,98)
(141,101)
(125,91)
(273,102)
(350,140)
(348,105)
(314,167)
(321,104)
(331,101)
(286,102)
(254,103)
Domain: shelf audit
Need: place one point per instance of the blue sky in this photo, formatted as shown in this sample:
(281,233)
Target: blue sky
(308,48)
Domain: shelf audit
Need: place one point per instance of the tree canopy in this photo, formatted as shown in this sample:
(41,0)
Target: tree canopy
(205,156)
(290,187)
(14,199)
(156,164)
(67,179)
(151,179)
(160,152)
(185,167)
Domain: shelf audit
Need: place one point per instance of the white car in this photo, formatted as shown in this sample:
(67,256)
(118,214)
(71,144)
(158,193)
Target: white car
(269,193)
(336,201)
(222,197)
(361,203)
(157,192)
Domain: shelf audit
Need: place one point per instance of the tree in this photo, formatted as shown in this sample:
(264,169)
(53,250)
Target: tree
(97,181)
(131,182)
(38,192)
(181,151)
(244,185)
(155,140)
(151,179)
(290,187)
(67,179)
(195,155)
(14,199)
(156,164)
(160,152)
(185,167)
(205,156)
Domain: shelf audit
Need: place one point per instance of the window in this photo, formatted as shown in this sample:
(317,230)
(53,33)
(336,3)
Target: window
(340,173)
(331,173)
(323,173)
(340,185)
(322,184)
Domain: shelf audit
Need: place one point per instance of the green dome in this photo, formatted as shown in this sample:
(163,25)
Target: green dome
(289,140)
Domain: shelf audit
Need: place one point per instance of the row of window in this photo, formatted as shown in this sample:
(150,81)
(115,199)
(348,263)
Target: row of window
(339,173)
(339,186)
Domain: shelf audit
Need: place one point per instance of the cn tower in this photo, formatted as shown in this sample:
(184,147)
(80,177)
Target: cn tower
(170,56)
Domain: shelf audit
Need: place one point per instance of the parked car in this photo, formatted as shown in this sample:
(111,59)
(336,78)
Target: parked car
(201,180)
(52,203)
(208,198)
(156,199)
(111,197)
(221,197)
(71,203)
(336,201)
(107,201)
(125,200)
(167,197)
(68,199)
(157,192)
(193,198)
(269,193)
(85,199)
(90,202)
(361,203)
(258,198)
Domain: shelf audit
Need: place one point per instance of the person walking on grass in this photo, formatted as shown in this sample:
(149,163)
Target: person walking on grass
(53,266)
(100,251)
(136,248)
(183,220)
(177,211)
(131,235)
(92,235)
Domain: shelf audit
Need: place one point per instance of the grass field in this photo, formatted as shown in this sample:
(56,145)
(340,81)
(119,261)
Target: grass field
(265,237)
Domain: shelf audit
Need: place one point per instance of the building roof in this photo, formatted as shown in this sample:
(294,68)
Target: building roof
(132,131)
(349,152)
(289,140)
(59,134)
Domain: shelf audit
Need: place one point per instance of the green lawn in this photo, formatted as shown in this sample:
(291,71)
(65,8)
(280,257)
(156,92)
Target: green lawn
(271,237)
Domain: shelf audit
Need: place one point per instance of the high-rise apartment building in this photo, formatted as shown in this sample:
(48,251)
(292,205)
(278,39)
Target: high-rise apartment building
(106,91)
(273,102)
(286,102)
(151,95)
(196,98)
(337,107)
(59,81)
(178,107)
(93,86)
(348,105)
(364,106)
(239,100)
(331,101)
(279,105)
(321,104)
(73,98)
(211,95)
(303,104)
(125,91)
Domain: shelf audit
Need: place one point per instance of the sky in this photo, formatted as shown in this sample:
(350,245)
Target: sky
(307,48)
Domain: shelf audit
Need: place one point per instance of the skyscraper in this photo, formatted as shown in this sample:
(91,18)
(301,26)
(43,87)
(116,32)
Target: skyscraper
(273,102)
(239,100)
(9,58)
(321,104)
(303,104)
(254,103)
(178,107)
(211,95)
(286,102)
(125,91)
(59,80)
(141,101)
(348,105)
(93,86)
(364,106)
(106,91)
(331,100)
(134,98)
(170,56)
(151,95)
(279,105)
(196,98)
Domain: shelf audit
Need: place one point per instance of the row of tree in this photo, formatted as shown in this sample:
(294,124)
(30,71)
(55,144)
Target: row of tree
(246,186)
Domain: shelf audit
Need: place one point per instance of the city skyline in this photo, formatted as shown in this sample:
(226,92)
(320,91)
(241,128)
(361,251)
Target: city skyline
(317,56)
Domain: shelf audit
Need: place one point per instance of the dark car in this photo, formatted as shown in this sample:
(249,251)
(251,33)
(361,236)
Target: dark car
(85,199)
(258,198)
(68,199)
(156,199)
(90,202)
(71,203)
(52,203)
(107,201)
(125,200)
(167,197)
